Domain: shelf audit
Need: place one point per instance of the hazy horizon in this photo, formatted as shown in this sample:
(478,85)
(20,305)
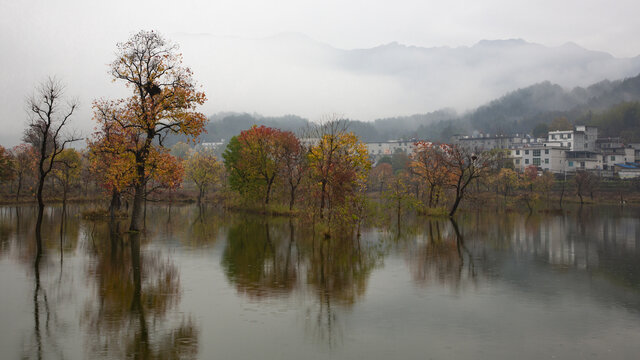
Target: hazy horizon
(309,59)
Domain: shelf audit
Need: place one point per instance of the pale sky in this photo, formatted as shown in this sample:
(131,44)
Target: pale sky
(44,37)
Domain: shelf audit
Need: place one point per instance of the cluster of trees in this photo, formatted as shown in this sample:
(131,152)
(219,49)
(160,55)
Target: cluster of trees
(435,176)
(327,173)
(127,152)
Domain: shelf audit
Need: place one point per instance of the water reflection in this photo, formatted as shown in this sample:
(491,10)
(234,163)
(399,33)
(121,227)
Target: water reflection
(260,258)
(273,258)
(178,289)
(135,289)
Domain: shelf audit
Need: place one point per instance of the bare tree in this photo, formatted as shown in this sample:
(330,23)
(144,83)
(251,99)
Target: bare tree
(464,166)
(585,184)
(46,131)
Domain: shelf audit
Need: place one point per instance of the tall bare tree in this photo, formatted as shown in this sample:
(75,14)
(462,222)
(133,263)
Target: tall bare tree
(46,131)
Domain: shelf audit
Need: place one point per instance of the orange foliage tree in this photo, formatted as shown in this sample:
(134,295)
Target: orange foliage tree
(427,162)
(164,101)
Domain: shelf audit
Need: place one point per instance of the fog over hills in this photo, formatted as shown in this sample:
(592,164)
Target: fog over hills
(294,74)
(291,73)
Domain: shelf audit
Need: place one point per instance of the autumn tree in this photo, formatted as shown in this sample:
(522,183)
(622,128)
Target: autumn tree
(506,182)
(397,194)
(545,183)
(164,101)
(180,150)
(463,166)
(241,178)
(113,165)
(428,164)
(339,163)
(204,170)
(23,165)
(380,175)
(294,164)
(67,171)
(585,184)
(6,165)
(256,157)
(47,133)
(529,181)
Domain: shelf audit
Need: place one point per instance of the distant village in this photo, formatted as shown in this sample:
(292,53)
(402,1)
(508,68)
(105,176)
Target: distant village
(561,152)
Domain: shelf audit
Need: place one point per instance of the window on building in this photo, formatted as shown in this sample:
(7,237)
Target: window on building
(517,152)
(526,161)
(569,136)
(536,152)
(581,163)
(613,158)
(536,161)
(517,161)
(570,163)
(526,152)
(546,161)
(546,151)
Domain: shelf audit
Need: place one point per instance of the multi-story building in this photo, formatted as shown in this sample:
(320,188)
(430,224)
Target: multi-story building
(549,158)
(485,142)
(380,149)
(583,138)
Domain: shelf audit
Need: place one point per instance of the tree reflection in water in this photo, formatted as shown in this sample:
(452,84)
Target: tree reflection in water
(135,290)
(273,258)
(440,255)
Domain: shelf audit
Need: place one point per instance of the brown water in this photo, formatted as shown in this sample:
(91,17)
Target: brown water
(213,285)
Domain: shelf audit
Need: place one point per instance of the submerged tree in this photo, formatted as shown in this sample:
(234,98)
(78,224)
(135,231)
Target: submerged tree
(6,165)
(338,163)
(260,155)
(585,184)
(164,101)
(204,170)
(429,165)
(47,133)
(67,171)
(23,165)
(464,166)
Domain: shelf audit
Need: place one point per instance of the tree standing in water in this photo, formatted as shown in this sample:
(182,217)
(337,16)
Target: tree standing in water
(46,132)
(164,101)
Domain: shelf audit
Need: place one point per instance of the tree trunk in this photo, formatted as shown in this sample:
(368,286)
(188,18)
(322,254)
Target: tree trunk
(322,192)
(200,196)
(292,200)
(40,215)
(19,188)
(136,212)
(455,205)
(266,199)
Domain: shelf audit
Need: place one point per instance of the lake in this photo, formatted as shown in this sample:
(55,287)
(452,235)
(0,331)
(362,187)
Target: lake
(202,283)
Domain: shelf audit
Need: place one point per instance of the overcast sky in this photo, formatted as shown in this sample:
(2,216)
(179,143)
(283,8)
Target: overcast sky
(76,34)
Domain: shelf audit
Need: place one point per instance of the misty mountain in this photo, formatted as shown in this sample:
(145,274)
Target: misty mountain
(521,110)
(291,73)
(518,111)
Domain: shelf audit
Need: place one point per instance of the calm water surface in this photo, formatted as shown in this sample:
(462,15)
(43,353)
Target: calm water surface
(210,285)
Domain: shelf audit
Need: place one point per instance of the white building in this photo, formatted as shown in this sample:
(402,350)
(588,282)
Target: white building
(583,138)
(485,142)
(387,148)
(549,158)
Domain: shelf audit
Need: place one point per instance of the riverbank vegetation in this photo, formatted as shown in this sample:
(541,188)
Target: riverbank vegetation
(323,174)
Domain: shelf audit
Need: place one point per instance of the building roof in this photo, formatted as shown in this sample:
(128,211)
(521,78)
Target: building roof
(628,165)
